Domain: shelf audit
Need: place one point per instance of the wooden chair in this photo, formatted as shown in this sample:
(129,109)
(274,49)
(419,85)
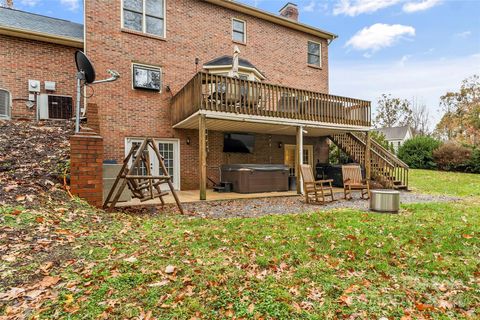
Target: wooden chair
(352,180)
(316,191)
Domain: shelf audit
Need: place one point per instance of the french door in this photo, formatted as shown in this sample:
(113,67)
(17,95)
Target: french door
(169,149)
(289,157)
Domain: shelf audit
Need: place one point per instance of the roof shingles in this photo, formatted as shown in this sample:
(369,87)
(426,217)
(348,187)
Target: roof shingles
(16,19)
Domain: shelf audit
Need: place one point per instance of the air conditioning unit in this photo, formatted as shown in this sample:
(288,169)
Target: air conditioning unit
(55,107)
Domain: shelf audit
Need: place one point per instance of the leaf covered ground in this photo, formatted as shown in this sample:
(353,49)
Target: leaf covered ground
(62,259)
(33,157)
(82,264)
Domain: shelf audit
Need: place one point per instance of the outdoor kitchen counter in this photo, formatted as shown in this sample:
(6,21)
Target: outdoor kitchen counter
(254,178)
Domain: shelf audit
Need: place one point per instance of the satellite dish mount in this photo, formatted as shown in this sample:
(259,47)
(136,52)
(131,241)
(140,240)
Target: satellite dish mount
(86,73)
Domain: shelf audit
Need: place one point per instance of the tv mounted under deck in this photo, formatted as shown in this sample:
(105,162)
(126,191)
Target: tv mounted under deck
(256,178)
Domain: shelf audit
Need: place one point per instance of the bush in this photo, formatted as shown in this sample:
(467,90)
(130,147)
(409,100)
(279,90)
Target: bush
(337,156)
(418,152)
(474,163)
(452,157)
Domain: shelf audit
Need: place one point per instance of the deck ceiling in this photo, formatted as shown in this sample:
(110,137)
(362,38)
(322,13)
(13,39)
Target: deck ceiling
(249,124)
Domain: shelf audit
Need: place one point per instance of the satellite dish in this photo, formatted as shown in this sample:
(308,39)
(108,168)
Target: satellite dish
(85,66)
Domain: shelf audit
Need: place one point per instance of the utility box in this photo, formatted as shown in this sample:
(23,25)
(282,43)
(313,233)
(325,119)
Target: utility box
(33,86)
(50,85)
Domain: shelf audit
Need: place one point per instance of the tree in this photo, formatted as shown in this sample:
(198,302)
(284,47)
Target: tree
(381,139)
(420,118)
(392,112)
(6,4)
(461,119)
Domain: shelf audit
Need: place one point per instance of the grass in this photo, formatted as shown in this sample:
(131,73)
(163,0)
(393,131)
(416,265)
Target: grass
(423,262)
(447,183)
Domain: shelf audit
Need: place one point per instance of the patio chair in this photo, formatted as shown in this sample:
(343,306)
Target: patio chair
(352,180)
(316,191)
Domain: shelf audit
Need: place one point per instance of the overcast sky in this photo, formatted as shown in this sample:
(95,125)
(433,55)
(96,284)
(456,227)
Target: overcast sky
(409,48)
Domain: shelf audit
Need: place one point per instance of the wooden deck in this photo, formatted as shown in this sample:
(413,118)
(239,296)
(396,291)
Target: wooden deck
(190,196)
(215,93)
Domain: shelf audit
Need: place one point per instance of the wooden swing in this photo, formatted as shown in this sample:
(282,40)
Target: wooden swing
(144,187)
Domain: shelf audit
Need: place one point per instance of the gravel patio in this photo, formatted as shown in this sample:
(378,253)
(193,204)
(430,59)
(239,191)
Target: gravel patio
(248,208)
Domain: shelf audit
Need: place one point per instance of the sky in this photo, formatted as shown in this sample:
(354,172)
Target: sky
(408,48)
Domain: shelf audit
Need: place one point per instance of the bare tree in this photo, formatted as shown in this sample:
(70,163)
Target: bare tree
(392,112)
(420,118)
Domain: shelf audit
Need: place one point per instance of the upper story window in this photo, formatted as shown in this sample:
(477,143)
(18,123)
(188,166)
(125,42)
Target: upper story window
(147,16)
(239,31)
(314,54)
(5,101)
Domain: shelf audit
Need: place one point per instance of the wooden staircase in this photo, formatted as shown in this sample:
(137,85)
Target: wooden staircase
(386,168)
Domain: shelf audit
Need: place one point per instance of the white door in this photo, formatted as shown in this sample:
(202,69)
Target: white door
(169,149)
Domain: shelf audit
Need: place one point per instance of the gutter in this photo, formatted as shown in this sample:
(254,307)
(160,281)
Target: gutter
(39,36)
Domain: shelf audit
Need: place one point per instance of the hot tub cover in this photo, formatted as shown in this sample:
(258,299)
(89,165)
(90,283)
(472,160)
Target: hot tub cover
(255,167)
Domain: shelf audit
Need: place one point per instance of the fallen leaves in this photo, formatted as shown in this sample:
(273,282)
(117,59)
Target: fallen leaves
(130,259)
(48,281)
(170,269)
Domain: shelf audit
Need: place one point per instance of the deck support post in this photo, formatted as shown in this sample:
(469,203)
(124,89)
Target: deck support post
(368,163)
(202,158)
(299,159)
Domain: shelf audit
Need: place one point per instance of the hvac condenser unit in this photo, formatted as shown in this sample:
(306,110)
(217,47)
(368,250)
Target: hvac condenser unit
(55,107)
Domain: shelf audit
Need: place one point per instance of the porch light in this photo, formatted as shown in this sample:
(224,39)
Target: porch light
(280,145)
(188,141)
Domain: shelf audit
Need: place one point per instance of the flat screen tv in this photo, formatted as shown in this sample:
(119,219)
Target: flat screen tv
(238,142)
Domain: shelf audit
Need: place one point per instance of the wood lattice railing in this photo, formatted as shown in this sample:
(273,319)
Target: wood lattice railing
(226,94)
(386,168)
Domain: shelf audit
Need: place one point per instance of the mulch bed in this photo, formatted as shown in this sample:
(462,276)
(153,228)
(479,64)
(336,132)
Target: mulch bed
(33,156)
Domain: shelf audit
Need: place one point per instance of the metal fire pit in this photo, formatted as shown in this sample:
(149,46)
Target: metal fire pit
(385,201)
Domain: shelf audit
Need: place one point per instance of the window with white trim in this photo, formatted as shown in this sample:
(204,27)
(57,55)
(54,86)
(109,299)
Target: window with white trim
(5,104)
(239,31)
(147,16)
(314,54)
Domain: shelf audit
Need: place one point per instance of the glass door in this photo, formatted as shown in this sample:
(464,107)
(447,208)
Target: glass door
(170,151)
(289,157)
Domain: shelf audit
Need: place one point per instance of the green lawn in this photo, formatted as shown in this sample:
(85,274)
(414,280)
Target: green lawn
(448,183)
(423,262)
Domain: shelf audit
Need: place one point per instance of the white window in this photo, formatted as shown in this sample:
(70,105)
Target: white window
(239,31)
(314,54)
(169,149)
(147,16)
(5,104)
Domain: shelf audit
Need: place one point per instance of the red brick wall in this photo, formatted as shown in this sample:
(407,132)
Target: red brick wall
(194,29)
(86,160)
(266,151)
(23,59)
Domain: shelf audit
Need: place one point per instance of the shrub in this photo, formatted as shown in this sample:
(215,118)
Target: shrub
(337,156)
(418,152)
(452,157)
(474,163)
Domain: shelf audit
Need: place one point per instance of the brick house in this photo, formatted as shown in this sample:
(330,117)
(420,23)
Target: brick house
(37,74)
(181,85)
(176,58)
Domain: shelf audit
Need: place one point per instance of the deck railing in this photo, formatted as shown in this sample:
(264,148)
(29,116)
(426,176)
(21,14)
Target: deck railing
(226,94)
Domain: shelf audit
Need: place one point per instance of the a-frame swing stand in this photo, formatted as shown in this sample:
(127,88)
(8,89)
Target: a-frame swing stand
(143,186)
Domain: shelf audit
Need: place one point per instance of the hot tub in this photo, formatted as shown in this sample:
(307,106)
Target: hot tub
(256,178)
